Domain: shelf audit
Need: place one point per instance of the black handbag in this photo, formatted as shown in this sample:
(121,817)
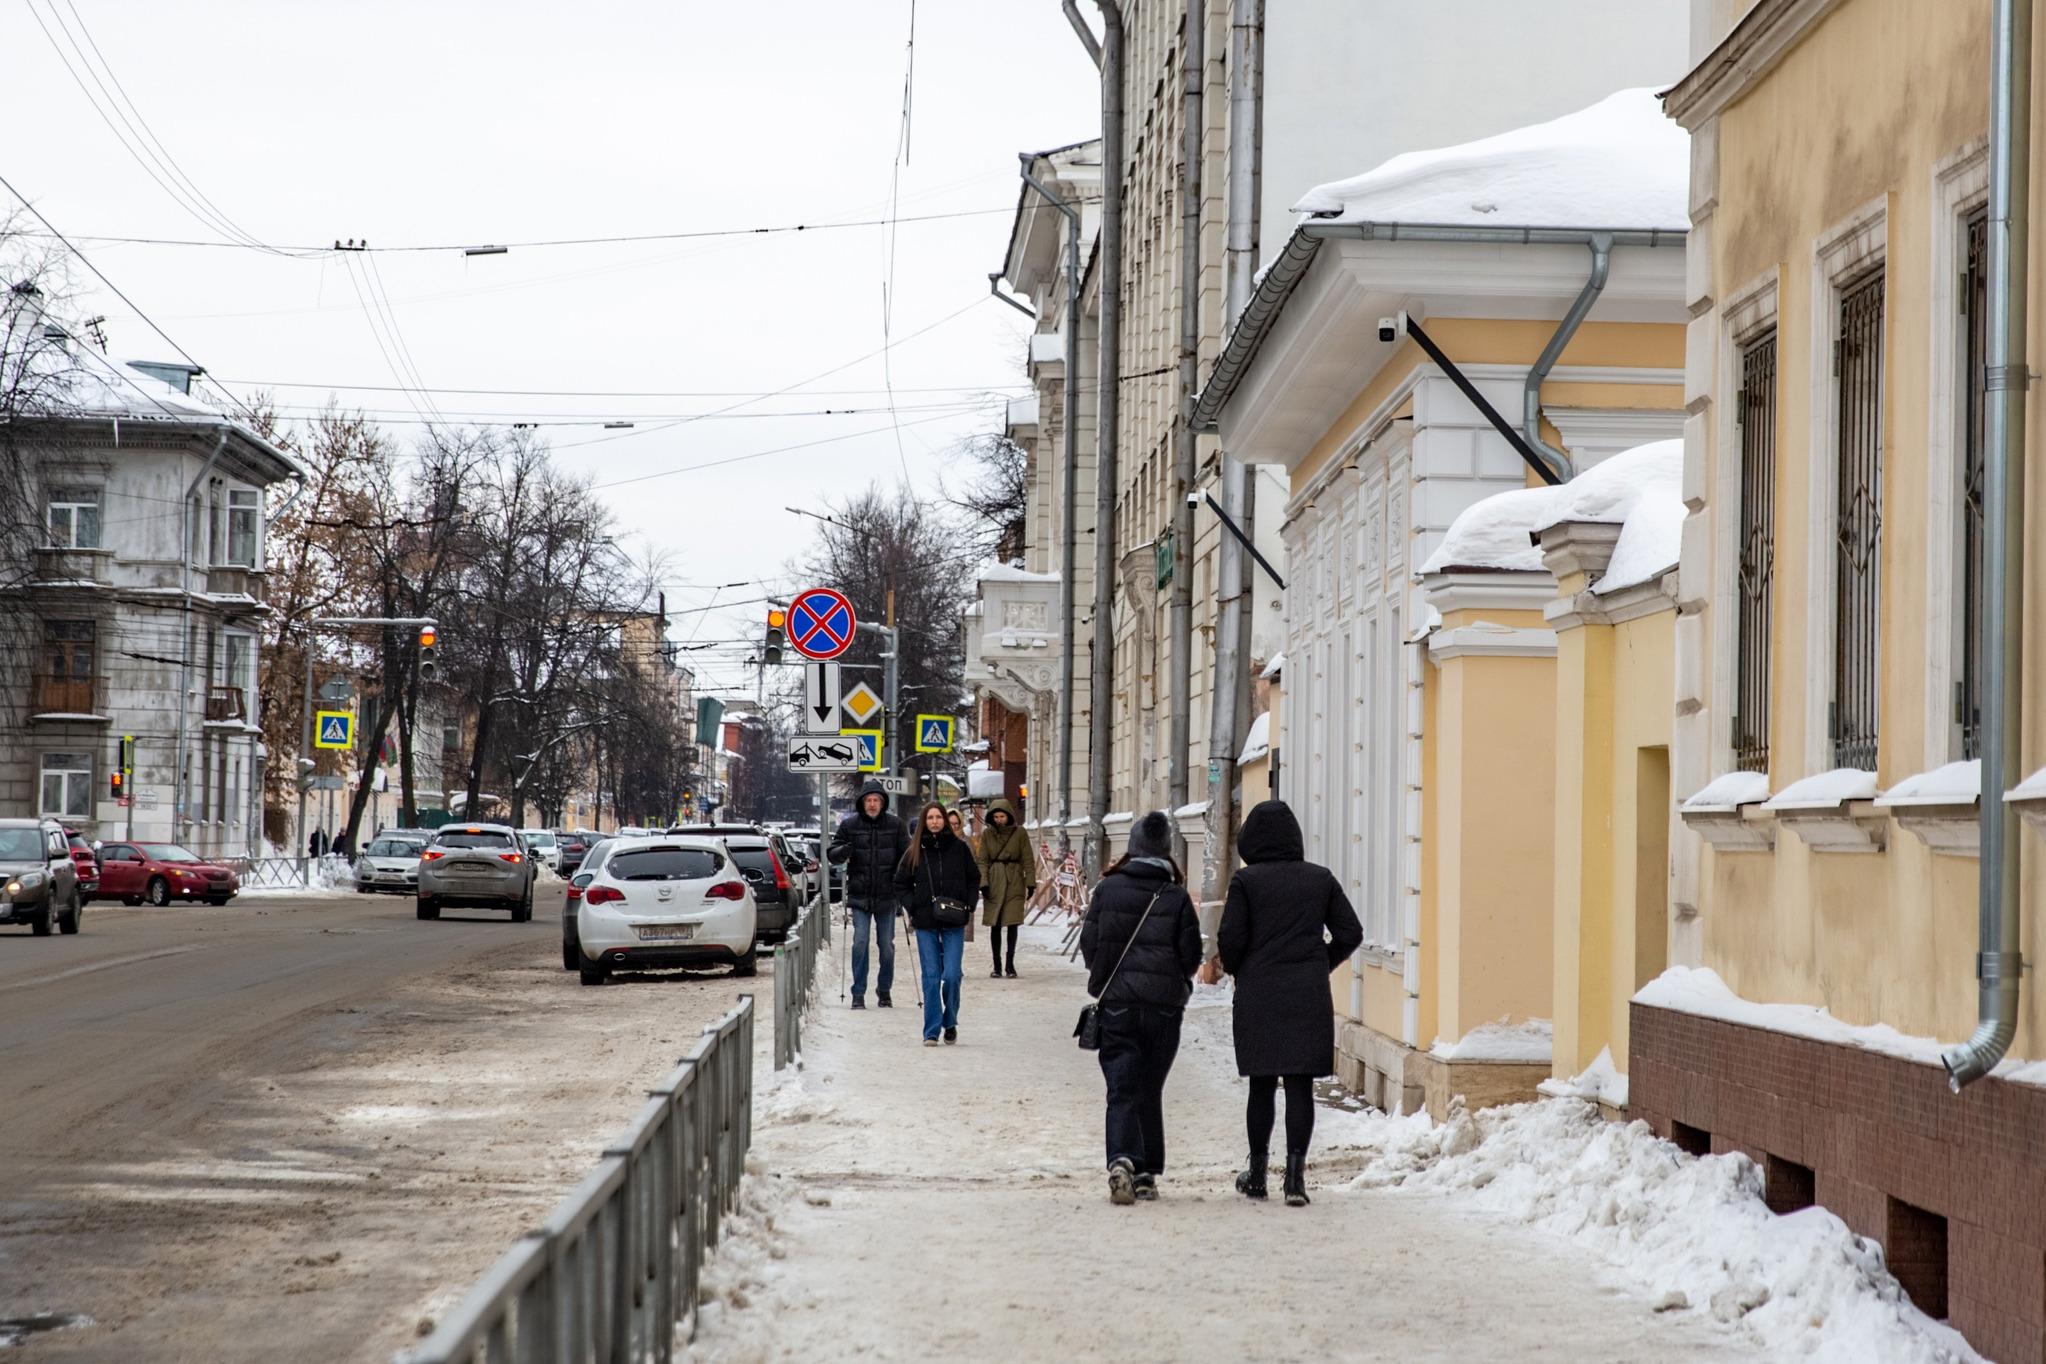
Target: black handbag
(1088,1030)
(945,911)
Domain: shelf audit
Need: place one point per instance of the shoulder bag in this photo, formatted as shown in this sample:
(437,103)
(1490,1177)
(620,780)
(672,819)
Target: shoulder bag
(945,911)
(1088,1030)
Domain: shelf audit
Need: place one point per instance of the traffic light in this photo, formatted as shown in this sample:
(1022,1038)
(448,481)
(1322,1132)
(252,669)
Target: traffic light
(118,786)
(429,665)
(777,625)
(123,769)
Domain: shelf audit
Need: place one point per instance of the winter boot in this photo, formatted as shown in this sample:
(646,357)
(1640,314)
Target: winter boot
(1296,1179)
(1251,1182)
(1147,1187)
(1122,1183)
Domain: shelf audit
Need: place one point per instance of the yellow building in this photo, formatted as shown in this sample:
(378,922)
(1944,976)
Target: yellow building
(1828,669)
(1542,270)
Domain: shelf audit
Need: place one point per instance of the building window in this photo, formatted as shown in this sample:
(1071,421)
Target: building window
(1858,523)
(1975,342)
(74,518)
(241,527)
(64,686)
(67,785)
(1755,566)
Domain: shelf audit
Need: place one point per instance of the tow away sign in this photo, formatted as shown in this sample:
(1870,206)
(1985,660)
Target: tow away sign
(823,753)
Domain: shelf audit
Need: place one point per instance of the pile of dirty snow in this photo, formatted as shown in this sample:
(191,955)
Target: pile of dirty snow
(1694,1232)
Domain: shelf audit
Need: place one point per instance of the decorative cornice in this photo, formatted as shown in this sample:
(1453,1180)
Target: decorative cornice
(1506,590)
(1758,42)
(1485,639)
(1578,547)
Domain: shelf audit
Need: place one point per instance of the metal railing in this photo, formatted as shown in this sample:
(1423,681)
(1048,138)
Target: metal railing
(614,1269)
(795,971)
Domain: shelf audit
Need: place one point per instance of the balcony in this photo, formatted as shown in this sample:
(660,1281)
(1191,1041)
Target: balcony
(74,567)
(234,580)
(66,697)
(226,703)
(1015,635)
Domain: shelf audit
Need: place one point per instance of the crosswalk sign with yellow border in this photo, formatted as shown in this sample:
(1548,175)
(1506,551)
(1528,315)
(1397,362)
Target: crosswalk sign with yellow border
(869,747)
(934,733)
(333,729)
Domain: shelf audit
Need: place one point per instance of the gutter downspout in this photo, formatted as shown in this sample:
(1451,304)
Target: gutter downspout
(1106,474)
(179,814)
(1531,397)
(1192,130)
(1069,535)
(1234,597)
(1999,965)
(1087,38)
(994,286)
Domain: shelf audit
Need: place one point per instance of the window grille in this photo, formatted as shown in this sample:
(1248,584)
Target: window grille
(1858,523)
(1756,569)
(1975,339)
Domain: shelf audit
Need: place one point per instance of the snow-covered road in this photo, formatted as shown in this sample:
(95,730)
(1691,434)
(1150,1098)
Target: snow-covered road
(947,1203)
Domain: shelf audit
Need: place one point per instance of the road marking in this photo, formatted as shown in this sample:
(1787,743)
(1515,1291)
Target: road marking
(95,966)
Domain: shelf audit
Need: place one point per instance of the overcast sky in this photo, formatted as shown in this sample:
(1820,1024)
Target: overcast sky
(511,121)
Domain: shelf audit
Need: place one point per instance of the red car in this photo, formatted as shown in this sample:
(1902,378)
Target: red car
(86,862)
(158,873)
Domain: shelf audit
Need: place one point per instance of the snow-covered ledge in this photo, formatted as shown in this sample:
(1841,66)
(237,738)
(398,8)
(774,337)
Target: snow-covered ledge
(1833,811)
(2028,798)
(1727,813)
(1943,807)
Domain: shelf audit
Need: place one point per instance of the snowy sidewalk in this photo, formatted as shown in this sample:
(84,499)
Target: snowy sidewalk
(949,1204)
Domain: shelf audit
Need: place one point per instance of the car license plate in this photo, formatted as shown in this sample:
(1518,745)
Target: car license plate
(666,932)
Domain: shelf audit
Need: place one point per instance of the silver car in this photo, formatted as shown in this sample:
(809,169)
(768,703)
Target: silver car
(38,880)
(476,864)
(390,863)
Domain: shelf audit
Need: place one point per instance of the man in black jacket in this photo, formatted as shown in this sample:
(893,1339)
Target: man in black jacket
(1142,944)
(870,843)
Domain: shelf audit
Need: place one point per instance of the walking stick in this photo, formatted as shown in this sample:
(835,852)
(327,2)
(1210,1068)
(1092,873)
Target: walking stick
(916,958)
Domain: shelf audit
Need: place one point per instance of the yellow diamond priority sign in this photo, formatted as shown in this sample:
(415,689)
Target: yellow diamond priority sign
(860,704)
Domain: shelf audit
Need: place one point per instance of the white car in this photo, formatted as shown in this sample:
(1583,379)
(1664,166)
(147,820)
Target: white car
(666,902)
(390,863)
(544,846)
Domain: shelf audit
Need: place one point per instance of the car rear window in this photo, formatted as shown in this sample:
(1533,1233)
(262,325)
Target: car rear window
(755,861)
(394,847)
(478,839)
(664,864)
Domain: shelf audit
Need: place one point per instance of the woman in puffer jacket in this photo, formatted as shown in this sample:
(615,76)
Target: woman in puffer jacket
(1142,943)
(938,881)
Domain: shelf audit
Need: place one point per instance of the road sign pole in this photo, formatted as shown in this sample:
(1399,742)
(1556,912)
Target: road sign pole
(305,753)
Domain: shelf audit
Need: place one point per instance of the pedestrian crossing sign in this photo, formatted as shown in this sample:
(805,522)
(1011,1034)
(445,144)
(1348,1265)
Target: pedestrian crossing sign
(934,733)
(868,750)
(333,729)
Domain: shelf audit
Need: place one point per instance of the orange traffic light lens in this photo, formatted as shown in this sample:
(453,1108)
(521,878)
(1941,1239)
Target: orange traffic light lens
(777,618)
(427,635)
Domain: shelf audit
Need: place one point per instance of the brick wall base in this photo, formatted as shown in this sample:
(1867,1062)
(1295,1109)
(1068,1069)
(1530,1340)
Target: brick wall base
(1391,1075)
(1952,1186)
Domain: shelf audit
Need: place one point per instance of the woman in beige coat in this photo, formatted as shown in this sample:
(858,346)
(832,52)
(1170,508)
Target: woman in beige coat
(1008,875)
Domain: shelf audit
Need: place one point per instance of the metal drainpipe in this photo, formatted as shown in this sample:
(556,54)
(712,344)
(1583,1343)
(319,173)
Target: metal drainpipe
(185,637)
(1999,964)
(1069,534)
(1087,38)
(1531,396)
(1231,689)
(1106,474)
(1192,128)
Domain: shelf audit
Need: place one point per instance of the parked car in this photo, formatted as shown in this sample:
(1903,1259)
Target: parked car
(158,873)
(544,847)
(571,950)
(575,845)
(38,877)
(666,902)
(770,868)
(85,862)
(476,864)
(390,863)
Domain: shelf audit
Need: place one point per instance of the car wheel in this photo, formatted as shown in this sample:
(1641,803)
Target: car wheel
(217,900)
(593,972)
(69,923)
(749,965)
(571,955)
(157,892)
(522,912)
(428,908)
(42,923)
(362,888)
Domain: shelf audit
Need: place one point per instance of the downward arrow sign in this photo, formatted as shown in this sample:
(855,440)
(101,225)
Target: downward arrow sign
(821,694)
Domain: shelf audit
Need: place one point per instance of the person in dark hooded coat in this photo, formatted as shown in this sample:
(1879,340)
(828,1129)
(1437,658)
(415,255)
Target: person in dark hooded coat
(870,843)
(1285,927)
(1142,943)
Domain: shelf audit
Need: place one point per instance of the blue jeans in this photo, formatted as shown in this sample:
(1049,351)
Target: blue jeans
(882,920)
(941,953)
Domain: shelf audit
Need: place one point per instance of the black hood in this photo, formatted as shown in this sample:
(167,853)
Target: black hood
(1271,834)
(871,788)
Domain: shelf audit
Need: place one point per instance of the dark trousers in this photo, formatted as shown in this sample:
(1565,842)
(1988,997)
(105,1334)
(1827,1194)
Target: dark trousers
(1138,1043)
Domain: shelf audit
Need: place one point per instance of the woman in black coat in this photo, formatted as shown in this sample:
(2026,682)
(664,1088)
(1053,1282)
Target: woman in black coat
(1286,926)
(1142,944)
(939,866)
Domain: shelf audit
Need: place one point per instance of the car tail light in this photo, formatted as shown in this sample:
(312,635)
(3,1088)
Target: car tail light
(726,890)
(603,895)
(781,878)
(431,855)
(510,857)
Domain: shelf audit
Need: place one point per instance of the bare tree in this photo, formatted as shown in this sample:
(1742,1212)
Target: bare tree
(996,493)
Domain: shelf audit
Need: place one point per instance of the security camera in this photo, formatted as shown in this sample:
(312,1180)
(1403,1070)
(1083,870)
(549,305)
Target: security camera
(1392,328)
(1193,499)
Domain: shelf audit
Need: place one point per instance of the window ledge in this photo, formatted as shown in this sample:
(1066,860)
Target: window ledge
(1834,812)
(67,717)
(2028,798)
(1942,807)
(1727,813)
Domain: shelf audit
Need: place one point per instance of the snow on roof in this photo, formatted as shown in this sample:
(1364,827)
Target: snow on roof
(1620,163)
(1731,790)
(1642,489)
(104,386)
(1275,668)
(1257,744)
(1006,573)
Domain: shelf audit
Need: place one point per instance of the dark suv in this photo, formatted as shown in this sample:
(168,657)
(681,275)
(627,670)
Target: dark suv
(770,868)
(38,878)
